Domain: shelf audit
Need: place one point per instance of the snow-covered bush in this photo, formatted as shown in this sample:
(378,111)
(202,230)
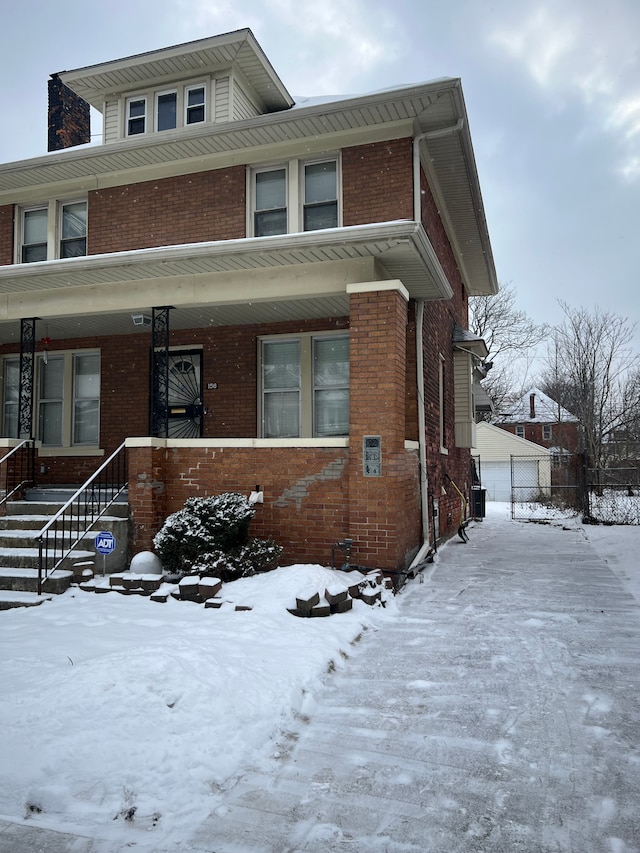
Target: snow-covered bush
(210,537)
(218,523)
(256,556)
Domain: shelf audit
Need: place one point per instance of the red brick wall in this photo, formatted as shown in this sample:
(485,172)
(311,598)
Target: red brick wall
(384,512)
(562,434)
(185,209)
(377,182)
(6,234)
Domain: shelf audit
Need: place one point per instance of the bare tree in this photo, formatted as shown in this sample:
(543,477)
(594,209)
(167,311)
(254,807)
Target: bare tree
(511,338)
(590,370)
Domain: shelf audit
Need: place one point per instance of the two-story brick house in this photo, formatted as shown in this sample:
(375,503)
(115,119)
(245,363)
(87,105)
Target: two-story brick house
(538,418)
(249,293)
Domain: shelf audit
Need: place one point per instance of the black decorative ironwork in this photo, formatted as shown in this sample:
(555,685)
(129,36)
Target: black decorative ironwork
(70,525)
(160,371)
(27,365)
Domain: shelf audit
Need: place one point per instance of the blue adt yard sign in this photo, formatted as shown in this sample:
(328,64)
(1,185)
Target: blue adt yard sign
(105,542)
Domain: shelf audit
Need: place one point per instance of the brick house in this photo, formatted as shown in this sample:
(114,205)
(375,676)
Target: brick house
(249,293)
(537,418)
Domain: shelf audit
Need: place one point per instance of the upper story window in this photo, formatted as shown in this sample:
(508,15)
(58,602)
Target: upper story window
(53,230)
(195,104)
(520,431)
(270,215)
(546,432)
(296,196)
(166,109)
(136,116)
(320,203)
(73,238)
(34,234)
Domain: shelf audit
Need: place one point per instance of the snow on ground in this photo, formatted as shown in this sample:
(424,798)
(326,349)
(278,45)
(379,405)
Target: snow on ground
(114,706)
(115,703)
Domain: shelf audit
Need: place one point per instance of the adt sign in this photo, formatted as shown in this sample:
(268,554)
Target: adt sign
(104,542)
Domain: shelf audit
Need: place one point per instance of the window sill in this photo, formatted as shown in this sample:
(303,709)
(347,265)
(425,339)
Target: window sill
(69,451)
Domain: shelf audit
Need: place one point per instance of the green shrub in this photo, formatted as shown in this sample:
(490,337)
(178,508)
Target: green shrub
(219,523)
(210,537)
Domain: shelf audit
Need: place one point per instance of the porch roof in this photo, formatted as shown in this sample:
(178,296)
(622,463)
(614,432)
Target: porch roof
(257,280)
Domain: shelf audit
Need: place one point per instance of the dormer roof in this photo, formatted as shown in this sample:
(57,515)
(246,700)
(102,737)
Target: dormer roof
(238,49)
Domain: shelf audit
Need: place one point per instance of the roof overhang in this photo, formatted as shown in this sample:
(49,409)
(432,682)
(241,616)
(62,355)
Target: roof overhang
(224,282)
(432,113)
(239,48)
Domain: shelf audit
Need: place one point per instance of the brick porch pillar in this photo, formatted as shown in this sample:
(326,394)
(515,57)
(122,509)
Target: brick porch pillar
(147,490)
(384,510)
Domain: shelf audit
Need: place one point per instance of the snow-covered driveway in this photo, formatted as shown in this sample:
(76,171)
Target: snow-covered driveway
(499,712)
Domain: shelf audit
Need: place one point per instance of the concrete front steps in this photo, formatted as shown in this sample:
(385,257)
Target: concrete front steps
(19,553)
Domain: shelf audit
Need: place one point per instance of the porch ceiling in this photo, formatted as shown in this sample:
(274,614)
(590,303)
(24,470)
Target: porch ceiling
(223,283)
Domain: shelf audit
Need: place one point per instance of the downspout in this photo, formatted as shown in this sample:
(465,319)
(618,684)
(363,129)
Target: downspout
(422,438)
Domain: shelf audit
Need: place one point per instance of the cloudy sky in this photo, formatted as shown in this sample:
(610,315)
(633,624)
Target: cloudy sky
(552,89)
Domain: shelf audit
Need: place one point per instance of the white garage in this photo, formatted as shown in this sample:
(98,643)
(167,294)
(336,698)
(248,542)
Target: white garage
(499,451)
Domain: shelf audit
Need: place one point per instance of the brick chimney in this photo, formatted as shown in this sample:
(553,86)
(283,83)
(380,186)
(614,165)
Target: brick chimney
(69,119)
(532,406)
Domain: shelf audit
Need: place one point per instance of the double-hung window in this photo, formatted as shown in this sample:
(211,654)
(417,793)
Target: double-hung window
(73,237)
(34,234)
(320,204)
(270,216)
(295,196)
(546,432)
(194,102)
(136,116)
(53,230)
(305,386)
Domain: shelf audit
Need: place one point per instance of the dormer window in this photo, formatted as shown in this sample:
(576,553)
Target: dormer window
(166,110)
(136,116)
(195,103)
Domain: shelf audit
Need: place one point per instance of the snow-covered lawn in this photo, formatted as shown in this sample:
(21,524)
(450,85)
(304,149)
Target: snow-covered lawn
(115,707)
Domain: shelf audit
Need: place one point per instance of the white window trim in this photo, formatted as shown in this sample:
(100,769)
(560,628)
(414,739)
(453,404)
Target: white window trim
(156,112)
(68,400)
(148,119)
(207,101)
(150,97)
(306,376)
(294,176)
(54,225)
(519,432)
(62,203)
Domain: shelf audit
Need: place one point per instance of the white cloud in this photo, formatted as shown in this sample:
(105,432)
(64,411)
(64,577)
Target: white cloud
(587,49)
(323,46)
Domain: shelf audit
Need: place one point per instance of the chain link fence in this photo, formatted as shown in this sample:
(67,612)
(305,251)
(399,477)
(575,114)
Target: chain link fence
(547,486)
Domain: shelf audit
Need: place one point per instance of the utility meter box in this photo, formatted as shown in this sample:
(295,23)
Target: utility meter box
(372,456)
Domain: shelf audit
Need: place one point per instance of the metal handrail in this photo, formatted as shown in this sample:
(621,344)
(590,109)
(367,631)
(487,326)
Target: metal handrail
(62,533)
(19,469)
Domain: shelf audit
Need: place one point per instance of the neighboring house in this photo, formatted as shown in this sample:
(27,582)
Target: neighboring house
(506,461)
(538,418)
(251,295)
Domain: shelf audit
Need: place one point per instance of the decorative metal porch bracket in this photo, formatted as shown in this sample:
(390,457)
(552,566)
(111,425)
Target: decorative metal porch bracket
(160,371)
(27,365)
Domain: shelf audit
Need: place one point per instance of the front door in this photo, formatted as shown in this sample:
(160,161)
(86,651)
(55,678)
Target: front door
(185,394)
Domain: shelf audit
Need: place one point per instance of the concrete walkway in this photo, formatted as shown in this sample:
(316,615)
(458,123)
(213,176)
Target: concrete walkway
(500,712)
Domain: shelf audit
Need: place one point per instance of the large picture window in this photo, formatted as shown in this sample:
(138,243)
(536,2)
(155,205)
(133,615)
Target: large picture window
(67,400)
(305,386)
